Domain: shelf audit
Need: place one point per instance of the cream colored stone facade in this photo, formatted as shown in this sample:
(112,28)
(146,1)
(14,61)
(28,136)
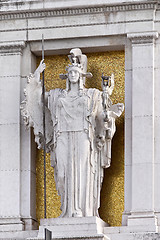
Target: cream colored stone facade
(93,26)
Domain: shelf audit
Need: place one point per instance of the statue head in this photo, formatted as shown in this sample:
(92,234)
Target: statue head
(73,75)
(77,71)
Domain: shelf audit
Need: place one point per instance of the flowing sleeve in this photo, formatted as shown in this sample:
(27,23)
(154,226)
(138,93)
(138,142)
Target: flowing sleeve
(32,112)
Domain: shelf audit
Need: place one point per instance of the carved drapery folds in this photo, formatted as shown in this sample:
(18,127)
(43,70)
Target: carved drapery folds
(80,124)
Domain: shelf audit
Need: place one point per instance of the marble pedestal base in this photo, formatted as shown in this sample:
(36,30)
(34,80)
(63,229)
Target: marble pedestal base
(132,233)
(73,228)
(18,235)
(11,224)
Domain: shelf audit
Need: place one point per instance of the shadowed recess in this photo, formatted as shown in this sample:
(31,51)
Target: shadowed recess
(112,193)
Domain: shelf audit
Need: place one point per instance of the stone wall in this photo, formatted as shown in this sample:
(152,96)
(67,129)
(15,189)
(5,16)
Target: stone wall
(94,27)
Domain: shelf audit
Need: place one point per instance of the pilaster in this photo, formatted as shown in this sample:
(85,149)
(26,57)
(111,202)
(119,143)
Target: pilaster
(140,162)
(28,152)
(12,172)
(128,132)
(157,132)
(10,76)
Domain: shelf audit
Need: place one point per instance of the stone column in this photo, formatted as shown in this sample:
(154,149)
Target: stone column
(28,152)
(128,132)
(15,171)
(140,131)
(157,133)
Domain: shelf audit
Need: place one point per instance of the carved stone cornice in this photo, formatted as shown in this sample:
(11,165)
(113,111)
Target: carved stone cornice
(143,37)
(12,47)
(77,10)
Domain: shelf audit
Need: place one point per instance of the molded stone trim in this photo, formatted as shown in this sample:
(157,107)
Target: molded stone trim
(143,37)
(12,47)
(77,10)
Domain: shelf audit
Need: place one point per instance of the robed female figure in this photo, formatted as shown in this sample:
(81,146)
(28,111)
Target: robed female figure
(80,124)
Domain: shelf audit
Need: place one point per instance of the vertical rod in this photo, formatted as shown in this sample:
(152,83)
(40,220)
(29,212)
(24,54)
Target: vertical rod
(48,234)
(44,130)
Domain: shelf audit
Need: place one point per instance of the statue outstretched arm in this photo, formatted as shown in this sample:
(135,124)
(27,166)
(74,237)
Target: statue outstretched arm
(32,108)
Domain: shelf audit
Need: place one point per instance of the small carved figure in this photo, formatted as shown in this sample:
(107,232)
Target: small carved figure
(80,124)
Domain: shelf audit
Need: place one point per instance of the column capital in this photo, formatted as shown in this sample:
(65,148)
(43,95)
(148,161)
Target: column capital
(12,47)
(142,37)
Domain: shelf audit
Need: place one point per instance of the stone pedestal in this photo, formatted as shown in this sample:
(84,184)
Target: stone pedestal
(131,233)
(18,235)
(73,228)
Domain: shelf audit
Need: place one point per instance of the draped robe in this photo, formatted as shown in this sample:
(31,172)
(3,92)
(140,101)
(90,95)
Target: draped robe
(77,163)
(74,126)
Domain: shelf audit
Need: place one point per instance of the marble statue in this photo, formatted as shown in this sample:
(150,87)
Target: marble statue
(80,125)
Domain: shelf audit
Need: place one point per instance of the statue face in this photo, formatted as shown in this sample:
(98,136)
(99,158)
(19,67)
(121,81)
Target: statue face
(73,76)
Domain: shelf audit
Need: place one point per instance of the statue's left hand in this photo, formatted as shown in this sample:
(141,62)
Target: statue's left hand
(117,109)
(120,107)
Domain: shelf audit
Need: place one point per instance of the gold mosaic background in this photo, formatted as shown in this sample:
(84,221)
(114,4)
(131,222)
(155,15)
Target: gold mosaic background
(112,194)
